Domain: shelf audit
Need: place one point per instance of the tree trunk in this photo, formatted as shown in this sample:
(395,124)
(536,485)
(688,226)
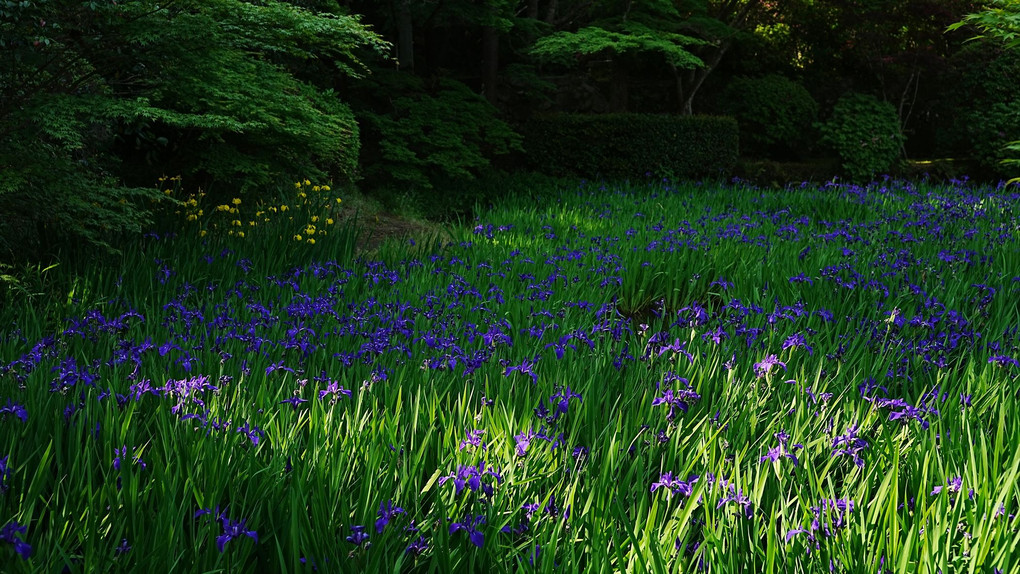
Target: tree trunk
(905,109)
(532,12)
(678,78)
(550,14)
(739,14)
(697,78)
(618,89)
(405,36)
(490,59)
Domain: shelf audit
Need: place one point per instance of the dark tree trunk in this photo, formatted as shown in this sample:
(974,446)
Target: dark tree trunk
(490,62)
(490,58)
(688,88)
(619,87)
(735,15)
(550,14)
(532,9)
(405,36)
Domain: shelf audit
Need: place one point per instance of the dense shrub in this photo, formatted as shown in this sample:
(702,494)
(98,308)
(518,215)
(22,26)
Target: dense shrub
(865,133)
(631,145)
(776,116)
(416,134)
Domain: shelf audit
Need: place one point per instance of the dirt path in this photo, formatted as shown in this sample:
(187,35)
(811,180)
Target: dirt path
(377,228)
(377,225)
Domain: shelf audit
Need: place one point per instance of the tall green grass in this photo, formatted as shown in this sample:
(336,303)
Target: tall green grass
(558,329)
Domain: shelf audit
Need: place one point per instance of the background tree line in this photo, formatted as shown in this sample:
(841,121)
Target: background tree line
(98,99)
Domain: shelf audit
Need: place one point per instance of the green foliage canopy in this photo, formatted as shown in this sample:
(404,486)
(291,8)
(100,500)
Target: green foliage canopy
(622,33)
(99,98)
(1001,21)
(632,39)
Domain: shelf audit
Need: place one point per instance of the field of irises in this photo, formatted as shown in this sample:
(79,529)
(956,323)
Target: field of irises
(646,378)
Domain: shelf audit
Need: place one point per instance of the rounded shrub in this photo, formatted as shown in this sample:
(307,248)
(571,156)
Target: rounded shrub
(776,116)
(865,133)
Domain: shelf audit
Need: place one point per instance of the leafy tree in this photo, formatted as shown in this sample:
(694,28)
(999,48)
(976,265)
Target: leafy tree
(1000,22)
(720,24)
(100,98)
(623,32)
(691,37)
(984,106)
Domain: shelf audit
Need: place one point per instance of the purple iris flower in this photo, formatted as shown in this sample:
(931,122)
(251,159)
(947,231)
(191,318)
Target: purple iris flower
(254,434)
(334,388)
(561,346)
(123,452)
(523,441)
(678,400)
(278,367)
(293,402)
(123,547)
(417,547)
(830,516)
(774,454)
(797,340)
(474,438)
(525,368)
(553,510)
(783,449)
(954,485)
(717,335)
(11,533)
(678,347)
(562,400)
(1003,361)
(231,530)
(693,316)
(737,495)
(851,445)
(5,473)
(731,363)
(765,366)
(358,536)
(470,525)
(471,477)
(15,409)
(675,485)
(386,513)
(794,532)
(722,283)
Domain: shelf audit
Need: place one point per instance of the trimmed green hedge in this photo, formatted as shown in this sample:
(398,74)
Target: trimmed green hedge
(631,145)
